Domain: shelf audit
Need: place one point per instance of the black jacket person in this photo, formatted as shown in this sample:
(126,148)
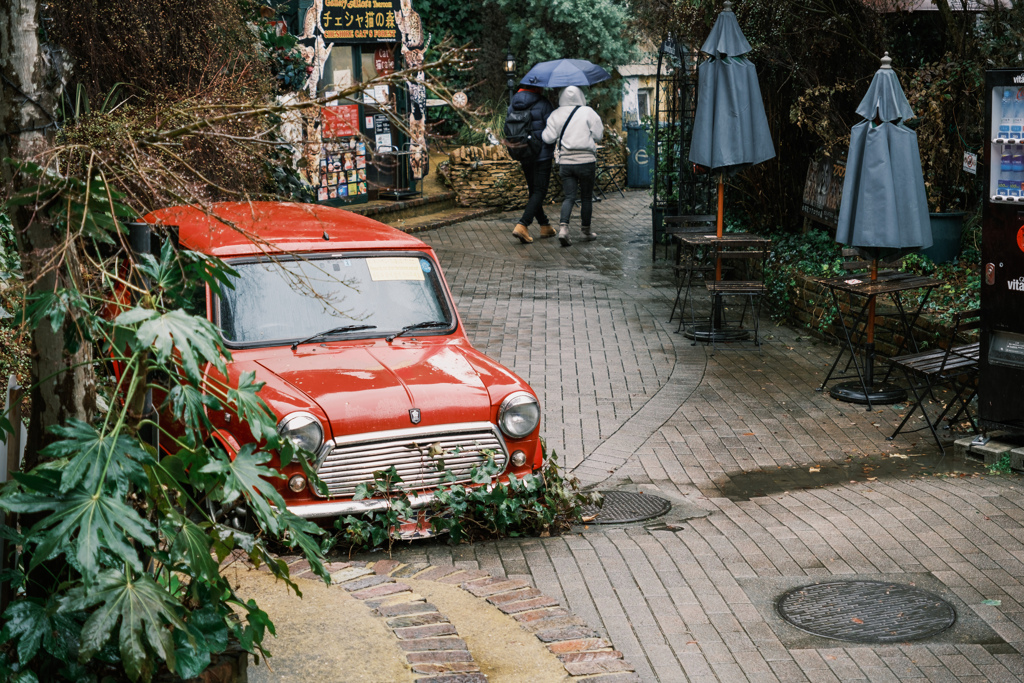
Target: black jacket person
(538,170)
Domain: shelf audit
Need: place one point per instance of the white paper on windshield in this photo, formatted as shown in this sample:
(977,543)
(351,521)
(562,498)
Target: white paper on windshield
(394,269)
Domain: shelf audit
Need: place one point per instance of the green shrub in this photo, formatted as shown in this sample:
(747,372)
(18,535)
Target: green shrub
(537,504)
(1001,466)
(813,254)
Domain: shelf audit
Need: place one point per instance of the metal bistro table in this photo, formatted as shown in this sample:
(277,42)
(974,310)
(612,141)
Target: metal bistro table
(864,390)
(701,247)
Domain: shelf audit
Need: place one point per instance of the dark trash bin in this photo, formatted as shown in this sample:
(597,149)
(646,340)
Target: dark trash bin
(638,163)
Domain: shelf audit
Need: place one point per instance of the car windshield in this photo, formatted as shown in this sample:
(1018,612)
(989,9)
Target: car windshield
(282,300)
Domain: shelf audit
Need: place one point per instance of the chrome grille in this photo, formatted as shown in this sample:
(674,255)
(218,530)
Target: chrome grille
(352,460)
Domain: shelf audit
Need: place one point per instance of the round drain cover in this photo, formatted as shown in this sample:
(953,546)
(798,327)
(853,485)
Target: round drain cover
(866,611)
(623,506)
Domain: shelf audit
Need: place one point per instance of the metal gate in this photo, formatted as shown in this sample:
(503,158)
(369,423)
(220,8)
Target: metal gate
(678,188)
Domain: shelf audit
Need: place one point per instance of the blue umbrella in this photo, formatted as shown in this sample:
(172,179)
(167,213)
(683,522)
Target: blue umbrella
(730,128)
(559,73)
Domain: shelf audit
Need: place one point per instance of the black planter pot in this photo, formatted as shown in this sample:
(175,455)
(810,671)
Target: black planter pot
(947,229)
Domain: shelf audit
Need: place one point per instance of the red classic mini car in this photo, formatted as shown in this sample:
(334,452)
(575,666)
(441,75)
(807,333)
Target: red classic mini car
(351,326)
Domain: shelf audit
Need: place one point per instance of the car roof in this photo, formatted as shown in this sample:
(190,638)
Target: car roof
(246,228)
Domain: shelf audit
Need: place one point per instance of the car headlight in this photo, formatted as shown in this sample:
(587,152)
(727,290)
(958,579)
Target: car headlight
(303,430)
(519,415)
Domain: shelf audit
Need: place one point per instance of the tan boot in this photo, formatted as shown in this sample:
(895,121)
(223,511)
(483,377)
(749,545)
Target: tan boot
(547,231)
(522,233)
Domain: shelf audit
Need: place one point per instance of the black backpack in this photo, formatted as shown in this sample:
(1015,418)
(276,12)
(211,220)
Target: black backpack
(522,144)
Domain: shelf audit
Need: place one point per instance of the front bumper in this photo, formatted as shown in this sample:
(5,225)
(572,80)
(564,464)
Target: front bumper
(340,508)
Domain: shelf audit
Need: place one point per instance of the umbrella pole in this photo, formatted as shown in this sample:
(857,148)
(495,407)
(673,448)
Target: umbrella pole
(869,347)
(718,224)
(717,318)
(863,390)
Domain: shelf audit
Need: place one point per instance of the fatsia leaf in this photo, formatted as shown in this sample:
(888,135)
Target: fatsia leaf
(164,273)
(144,609)
(194,337)
(31,623)
(27,621)
(135,315)
(207,633)
(190,545)
(251,408)
(34,192)
(94,456)
(312,477)
(301,533)
(90,524)
(44,479)
(208,625)
(61,639)
(54,306)
(93,208)
(188,405)
(245,476)
(209,270)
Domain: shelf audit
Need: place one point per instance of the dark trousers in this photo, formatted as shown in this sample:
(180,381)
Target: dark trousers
(538,176)
(578,177)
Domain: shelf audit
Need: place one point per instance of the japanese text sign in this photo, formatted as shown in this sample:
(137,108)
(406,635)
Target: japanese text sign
(360,21)
(383,61)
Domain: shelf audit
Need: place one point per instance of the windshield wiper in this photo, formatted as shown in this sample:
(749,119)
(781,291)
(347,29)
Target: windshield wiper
(418,326)
(334,330)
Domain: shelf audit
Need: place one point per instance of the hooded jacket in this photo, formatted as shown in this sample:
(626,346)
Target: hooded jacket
(579,141)
(540,109)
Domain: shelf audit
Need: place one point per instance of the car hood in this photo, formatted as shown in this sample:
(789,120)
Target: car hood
(364,389)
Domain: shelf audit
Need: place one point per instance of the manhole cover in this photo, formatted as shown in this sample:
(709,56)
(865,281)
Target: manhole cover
(866,611)
(623,506)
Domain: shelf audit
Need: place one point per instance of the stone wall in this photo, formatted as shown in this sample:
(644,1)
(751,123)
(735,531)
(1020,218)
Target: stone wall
(487,176)
(812,308)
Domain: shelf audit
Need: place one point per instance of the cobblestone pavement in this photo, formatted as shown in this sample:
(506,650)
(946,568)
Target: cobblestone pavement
(779,486)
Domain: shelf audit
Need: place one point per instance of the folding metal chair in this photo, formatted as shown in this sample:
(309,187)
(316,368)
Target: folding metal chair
(956,365)
(691,264)
(755,253)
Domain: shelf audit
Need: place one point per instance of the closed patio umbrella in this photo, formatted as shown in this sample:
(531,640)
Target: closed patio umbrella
(730,128)
(884,209)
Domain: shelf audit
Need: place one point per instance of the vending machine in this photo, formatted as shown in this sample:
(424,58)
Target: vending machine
(1001,380)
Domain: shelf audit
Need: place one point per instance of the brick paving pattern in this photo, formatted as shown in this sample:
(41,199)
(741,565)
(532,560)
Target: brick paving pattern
(431,642)
(799,487)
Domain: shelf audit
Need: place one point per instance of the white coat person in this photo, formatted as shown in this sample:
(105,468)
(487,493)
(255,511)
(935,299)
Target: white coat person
(575,129)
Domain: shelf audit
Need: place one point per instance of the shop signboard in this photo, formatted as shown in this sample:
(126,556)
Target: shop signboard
(823,191)
(343,159)
(343,171)
(360,21)
(382,133)
(384,61)
(340,121)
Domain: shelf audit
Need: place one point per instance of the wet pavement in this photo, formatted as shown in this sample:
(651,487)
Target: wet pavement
(774,485)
